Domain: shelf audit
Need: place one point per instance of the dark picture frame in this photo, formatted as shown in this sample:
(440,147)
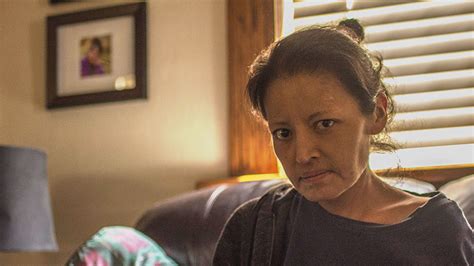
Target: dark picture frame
(55,2)
(126,78)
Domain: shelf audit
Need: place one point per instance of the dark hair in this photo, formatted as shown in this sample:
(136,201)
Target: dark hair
(334,48)
(96,43)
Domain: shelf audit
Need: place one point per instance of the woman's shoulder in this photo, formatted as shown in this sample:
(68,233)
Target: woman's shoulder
(441,206)
(273,197)
(450,227)
(444,216)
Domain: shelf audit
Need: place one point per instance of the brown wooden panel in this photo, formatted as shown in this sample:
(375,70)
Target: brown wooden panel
(251,28)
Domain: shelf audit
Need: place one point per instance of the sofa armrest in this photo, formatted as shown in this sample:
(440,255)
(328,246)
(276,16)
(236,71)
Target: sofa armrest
(188,227)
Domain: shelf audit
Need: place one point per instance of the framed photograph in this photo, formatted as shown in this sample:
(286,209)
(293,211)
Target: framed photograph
(96,56)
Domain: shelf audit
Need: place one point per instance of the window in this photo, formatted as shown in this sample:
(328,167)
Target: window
(428,47)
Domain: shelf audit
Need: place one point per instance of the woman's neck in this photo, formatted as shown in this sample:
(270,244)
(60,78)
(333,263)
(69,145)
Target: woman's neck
(370,199)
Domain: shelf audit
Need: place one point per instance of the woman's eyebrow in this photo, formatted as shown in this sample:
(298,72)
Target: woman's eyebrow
(312,116)
(318,114)
(277,123)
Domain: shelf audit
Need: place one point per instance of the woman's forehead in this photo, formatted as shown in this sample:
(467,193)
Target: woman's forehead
(322,87)
(306,94)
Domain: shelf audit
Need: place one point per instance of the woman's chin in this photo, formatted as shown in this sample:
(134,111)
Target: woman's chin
(316,195)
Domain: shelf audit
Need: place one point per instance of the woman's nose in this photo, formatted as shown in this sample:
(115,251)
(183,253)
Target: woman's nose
(307,148)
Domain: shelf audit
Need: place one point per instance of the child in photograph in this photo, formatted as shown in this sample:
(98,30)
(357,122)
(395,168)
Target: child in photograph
(91,64)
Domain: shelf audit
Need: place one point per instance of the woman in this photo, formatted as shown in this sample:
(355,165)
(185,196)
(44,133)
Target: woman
(323,99)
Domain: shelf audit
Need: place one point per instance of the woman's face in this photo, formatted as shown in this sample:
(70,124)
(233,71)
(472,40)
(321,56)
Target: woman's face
(93,55)
(319,133)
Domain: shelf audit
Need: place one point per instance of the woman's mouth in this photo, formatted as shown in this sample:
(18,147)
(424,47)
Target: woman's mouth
(315,176)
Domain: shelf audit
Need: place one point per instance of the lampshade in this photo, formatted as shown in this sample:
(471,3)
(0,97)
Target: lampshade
(26,222)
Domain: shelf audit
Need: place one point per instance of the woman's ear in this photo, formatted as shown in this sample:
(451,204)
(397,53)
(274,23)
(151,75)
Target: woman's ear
(379,117)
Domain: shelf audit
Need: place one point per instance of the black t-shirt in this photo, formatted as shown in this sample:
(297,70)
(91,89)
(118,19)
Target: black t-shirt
(435,234)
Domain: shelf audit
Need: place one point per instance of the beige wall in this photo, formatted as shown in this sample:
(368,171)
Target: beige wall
(109,162)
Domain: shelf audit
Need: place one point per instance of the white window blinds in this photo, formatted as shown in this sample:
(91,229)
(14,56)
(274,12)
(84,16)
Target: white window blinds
(428,48)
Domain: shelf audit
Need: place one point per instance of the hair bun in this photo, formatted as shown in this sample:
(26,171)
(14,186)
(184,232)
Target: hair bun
(352,28)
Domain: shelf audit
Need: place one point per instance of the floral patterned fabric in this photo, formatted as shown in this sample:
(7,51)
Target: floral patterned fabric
(118,245)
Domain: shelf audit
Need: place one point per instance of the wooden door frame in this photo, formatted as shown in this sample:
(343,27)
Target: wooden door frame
(251,27)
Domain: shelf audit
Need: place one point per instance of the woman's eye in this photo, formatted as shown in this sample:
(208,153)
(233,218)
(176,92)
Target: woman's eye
(282,134)
(325,124)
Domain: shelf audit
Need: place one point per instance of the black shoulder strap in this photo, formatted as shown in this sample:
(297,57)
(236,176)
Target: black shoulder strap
(262,226)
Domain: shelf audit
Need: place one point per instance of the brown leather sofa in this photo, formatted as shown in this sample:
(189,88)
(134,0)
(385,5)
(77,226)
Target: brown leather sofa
(187,227)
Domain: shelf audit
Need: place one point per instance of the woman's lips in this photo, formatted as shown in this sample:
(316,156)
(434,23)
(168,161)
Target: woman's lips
(314,176)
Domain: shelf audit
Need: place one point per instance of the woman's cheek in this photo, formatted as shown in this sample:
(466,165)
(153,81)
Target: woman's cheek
(282,152)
